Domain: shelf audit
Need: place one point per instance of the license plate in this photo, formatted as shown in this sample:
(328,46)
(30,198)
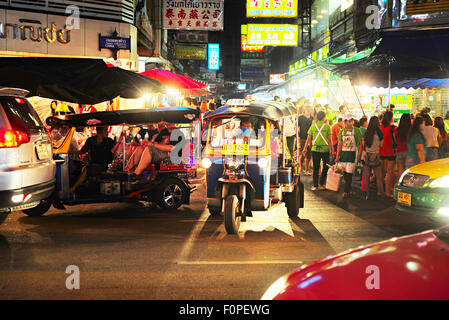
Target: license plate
(42,152)
(236,149)
(110,188)
(405,198)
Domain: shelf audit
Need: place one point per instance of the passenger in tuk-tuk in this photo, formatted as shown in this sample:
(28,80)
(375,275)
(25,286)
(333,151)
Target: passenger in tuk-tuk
(139,143)
(156,152)
(100,150)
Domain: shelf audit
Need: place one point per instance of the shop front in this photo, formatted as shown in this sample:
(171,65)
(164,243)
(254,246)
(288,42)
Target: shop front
(32,34)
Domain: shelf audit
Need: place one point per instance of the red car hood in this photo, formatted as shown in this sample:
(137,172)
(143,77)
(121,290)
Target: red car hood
(411,267)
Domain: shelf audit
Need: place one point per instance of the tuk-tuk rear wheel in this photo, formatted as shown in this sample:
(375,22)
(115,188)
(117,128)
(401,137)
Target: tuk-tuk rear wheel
(171,194)
(232,217)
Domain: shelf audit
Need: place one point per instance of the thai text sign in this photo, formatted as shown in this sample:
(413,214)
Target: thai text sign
(273,34)
(272,8)
(193,14)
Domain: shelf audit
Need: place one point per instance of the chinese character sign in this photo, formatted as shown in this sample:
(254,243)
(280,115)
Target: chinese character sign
(272,35)
(193,14)
(272,8)
(214,56)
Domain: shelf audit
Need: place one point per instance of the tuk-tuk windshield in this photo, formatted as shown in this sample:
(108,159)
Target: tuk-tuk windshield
(238,131)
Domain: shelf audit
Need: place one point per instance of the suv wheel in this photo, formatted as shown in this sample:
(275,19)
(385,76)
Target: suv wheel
(40,210)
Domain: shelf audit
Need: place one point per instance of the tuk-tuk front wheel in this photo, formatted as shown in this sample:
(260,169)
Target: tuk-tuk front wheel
(171,194)
(293,202)
(232,217)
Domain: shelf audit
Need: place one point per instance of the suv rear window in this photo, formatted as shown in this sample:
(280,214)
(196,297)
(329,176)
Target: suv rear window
(20,113)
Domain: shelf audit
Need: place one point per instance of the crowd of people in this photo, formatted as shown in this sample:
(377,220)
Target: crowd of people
(382,148)
(326,139)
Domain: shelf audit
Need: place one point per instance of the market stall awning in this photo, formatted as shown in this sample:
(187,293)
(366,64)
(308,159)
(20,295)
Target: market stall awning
(424,83)
(177,81)
(83,81)
(409,55)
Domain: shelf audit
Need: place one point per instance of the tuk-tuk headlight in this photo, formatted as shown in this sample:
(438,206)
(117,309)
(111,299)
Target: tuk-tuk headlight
(441,182)
(262,162)
(206,163)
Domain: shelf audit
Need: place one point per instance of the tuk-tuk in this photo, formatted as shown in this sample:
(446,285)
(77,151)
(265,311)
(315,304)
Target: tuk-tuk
(249,167)
(171,183)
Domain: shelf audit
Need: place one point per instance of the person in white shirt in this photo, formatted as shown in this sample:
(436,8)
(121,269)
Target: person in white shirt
(432,135)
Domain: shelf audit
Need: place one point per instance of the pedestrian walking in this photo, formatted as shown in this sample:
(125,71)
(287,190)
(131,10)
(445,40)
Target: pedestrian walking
(320,138)
(304,123)
(364,125)
(388,152)
(335,131)
(443,141)
(432,135)
(330,116)
(416,144)
(349,151)
(372,142)
(401,135)
(446,122)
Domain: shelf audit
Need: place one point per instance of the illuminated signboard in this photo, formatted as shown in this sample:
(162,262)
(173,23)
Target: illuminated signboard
(244,42)
(272,8)
(277,78)
(247,48)
(213,56)
(193,14)
(273,34)
(241,86)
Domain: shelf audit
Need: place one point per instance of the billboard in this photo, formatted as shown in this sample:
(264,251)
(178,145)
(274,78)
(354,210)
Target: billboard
(247,48)
(252,73)
(192,36)
(277,78)
(252,63)
(273,34)
(193,14)
(244,42)
(272,8)
(191,52)
(213,56)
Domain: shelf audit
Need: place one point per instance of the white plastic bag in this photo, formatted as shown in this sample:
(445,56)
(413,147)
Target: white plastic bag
(333,180)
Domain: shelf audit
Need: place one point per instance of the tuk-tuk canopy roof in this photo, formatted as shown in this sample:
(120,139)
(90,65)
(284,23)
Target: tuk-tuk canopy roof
(271,110)
(129,117)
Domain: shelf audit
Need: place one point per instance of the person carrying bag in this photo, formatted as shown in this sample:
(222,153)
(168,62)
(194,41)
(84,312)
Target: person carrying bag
(372,142)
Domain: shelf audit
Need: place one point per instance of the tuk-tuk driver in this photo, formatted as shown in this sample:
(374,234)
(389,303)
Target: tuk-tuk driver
(100,149)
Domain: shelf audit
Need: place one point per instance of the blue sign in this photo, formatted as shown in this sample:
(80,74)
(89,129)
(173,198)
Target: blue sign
(214,56)
(241,86)
(115,43)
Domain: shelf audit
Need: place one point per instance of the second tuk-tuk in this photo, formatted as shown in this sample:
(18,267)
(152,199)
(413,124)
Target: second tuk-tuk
(249,166)
(171,183)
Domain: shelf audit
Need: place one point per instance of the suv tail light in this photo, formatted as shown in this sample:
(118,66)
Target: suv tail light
(12,138)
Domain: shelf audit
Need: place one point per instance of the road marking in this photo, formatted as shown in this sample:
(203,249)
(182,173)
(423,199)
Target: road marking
(187,248)
(297,262)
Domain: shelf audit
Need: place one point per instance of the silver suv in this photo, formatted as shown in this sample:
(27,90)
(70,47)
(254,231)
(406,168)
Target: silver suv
(27,169)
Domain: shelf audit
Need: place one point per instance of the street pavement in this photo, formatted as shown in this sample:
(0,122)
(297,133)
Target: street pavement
(137,251)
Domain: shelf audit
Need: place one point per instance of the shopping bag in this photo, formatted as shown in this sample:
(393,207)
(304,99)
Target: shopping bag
(333,180)
(358,173)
